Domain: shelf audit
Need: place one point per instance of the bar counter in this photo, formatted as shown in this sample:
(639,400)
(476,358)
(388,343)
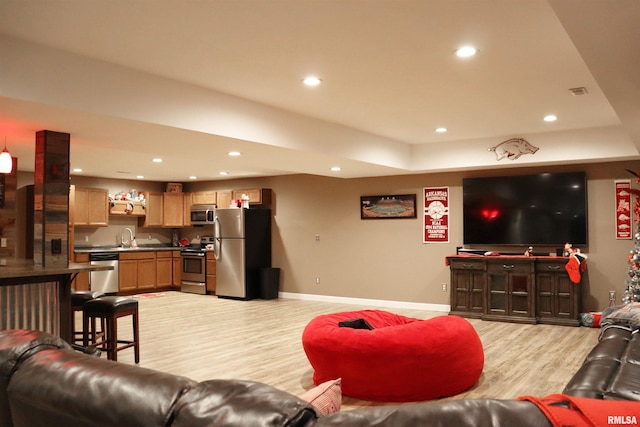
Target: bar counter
(35,297)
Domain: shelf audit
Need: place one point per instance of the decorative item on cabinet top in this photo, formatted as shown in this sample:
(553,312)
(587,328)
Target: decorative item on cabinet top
(127,203)
(174,187)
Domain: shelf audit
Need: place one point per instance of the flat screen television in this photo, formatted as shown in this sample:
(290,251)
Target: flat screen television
(547,209)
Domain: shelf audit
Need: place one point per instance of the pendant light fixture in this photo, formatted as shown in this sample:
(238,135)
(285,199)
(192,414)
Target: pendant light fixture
(6,162)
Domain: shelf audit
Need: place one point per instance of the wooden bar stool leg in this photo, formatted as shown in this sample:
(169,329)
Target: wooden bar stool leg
(136,337)
(112,340)
(85,329)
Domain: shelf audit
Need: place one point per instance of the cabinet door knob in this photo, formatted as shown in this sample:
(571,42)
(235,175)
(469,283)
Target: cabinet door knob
(508,266)
(553,267)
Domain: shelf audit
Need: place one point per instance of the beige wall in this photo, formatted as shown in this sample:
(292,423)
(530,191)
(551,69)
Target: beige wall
(386,259)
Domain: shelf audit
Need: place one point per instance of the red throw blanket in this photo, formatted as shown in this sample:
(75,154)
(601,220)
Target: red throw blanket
(563,410)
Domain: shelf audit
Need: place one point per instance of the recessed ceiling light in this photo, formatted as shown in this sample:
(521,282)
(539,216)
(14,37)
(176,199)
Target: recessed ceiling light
(336,169)
(157,160)
(441,130)
(140,176)
(466,51)
(311,81)
(77,170)
(550,118)
(234,153)
(193,177)
(224,173)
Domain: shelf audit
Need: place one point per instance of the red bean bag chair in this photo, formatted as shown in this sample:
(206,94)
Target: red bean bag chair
(385,357)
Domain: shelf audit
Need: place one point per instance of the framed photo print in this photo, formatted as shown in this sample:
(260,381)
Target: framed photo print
(388,206)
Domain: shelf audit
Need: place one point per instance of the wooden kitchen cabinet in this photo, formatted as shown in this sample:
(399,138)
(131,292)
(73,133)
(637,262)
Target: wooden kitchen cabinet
(164,210)
(558,299)
(154,210)
(468,284)
(81,282)
(186,209)
(164,269)
(90,207)
(211,273)
(173,210)
(204,198)
(224,198)
(137,271)
(147,276)
(257,196)
(510,285)
(127,274)
(177,269)
(123,207)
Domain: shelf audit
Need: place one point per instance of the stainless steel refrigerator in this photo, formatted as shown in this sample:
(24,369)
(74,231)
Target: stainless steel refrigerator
(242,248)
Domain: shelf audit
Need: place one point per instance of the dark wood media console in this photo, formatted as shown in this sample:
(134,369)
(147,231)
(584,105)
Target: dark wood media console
(514,289)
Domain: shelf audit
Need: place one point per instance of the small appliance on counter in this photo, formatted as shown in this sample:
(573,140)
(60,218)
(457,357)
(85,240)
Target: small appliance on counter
(194,266)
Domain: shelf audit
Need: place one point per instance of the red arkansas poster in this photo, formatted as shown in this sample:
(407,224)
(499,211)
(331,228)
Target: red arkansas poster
(624,229)
(436,215)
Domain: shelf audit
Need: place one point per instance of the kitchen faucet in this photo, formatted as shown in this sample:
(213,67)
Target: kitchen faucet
(127,243)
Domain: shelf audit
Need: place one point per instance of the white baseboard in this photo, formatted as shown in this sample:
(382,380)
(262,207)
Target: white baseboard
(368,302)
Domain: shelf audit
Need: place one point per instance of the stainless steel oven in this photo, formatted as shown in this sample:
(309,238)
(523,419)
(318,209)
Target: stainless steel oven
(194,267)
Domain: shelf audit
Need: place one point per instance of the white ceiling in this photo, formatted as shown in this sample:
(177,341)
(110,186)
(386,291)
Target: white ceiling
(188,81)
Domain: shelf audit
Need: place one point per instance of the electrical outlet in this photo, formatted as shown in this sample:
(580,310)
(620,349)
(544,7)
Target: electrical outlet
(3,242)
(317,237)
(56,246)
(318,280)
(612,295)
(444,287)
(86,238)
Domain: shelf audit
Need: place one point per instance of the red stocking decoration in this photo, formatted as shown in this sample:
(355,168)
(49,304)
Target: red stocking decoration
(575,267)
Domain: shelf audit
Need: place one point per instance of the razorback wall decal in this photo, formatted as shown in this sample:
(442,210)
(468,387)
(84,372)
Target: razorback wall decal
(513,148)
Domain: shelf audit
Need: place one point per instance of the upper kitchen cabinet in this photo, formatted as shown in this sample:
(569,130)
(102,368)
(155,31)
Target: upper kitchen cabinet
(224,198)
(126,207)
(257,196)
(173,210)
(154,210)
(165,210)
(204,198)
(90,207)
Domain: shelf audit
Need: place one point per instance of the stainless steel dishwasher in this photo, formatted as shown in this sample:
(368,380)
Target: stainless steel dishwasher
(104,281)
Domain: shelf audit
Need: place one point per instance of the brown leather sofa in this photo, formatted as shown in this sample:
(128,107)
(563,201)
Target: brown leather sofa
(45,382)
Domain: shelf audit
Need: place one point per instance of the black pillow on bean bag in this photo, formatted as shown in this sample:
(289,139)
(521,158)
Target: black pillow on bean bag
(355,324)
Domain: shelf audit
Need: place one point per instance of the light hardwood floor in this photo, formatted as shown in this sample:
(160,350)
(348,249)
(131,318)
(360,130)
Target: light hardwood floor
(204,337)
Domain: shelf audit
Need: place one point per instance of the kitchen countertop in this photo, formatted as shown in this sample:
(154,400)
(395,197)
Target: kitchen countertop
(18,268)
(140,248)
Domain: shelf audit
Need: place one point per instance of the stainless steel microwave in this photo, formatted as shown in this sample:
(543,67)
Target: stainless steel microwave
(202,214)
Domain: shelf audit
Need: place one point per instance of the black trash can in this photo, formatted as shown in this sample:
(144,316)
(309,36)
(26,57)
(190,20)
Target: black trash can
(269,283)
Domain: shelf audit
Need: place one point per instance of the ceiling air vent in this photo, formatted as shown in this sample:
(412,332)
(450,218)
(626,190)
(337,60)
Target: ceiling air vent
(578,91)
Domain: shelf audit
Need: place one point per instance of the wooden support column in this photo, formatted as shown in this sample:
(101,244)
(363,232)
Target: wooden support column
(51,199)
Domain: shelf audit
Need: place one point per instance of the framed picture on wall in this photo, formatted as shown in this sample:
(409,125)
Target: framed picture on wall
(388,206)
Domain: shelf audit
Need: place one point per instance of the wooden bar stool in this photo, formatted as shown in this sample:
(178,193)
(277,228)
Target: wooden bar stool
(110,309)
(78,300)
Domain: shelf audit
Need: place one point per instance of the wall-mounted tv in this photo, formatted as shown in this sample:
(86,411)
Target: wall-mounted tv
(547,209)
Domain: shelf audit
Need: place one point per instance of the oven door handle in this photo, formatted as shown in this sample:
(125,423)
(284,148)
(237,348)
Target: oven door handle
(192,254)
(217,247)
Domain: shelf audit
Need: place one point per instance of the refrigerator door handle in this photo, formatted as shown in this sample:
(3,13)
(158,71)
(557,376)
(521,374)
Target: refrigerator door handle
(218,242)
